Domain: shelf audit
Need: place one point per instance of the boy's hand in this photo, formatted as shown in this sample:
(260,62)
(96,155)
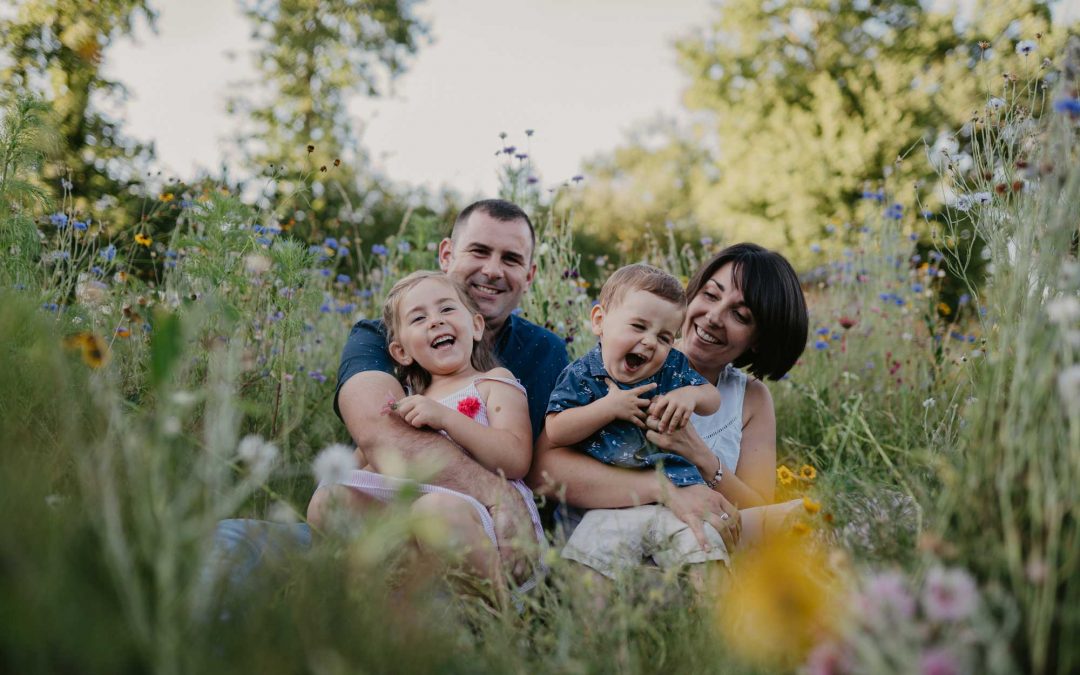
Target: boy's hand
(673,409)
(627,404)
(421,411)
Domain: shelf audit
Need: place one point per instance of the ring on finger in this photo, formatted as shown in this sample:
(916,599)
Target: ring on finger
(724,516)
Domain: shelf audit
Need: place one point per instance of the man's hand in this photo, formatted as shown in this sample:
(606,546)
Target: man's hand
(513,525)
(627,404)
(696,505)
(421,411)
(673,409)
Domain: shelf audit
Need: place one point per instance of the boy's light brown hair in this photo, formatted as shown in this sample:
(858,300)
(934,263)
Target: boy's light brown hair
(641,277)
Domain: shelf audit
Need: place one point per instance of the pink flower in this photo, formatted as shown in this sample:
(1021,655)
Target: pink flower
(886,598)
(938,661)
(469,406)
(950,595)
(827,658)
(390,405)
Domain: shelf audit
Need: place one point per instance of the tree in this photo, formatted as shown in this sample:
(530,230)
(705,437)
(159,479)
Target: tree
(313,57)
(54,49)
(806,104)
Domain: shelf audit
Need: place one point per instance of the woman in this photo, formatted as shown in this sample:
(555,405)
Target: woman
(746,310)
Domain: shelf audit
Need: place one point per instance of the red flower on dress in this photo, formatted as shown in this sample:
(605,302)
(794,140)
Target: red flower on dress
(469,406)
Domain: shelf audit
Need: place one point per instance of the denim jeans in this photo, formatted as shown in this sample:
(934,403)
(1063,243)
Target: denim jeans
(242,546)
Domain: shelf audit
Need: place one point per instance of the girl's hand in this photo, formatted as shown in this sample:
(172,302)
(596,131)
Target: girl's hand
(673,409)
(421,411)
(627,404)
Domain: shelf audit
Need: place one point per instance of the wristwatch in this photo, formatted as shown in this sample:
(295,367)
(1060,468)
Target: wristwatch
(716,476)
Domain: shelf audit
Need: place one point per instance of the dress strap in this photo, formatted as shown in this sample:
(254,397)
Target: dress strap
(505,380)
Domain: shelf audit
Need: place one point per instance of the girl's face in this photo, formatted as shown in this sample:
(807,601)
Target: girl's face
(435,329)
(719,327)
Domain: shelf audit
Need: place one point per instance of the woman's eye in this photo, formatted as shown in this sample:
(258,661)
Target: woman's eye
(742,318)
(710,296)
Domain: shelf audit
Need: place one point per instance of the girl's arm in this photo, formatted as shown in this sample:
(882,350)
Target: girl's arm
(506,445)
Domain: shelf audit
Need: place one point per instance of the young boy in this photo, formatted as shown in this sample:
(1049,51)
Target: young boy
(600,403)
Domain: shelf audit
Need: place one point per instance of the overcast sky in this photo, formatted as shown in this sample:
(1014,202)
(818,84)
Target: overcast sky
(579,72)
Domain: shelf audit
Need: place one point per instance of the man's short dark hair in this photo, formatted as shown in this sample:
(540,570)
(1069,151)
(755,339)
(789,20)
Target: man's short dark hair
(500,210)
(773,295)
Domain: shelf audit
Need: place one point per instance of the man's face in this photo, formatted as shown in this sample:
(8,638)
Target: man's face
(493,258)
(636,335)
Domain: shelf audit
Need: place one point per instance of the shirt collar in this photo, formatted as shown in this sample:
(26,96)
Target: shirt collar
(595,362)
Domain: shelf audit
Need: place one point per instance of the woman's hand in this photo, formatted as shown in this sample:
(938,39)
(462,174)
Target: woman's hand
(696,505)
(684,442)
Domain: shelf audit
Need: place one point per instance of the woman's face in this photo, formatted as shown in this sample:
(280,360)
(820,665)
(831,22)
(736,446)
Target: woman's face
(719,327)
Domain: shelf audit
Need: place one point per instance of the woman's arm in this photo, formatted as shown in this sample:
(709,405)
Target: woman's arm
(579,480)
(753,483)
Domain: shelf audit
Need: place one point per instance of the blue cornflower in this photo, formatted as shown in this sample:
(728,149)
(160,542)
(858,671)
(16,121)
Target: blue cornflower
(325,308)
(706,241)
(876,195)
(170,254)
(830,228)
(913,237)
(835,336)
(108,253)
(885,297)
(815,248)
(79,225)
(917,288)
(916,258)
(317,375)
(343,278)
(331,243)
(51,307)
(59,220)
(324,272)
(379,249)
(971,339)
(366,293)
(956,335)
(898,301)
(964,299)
(822,331)
(1067,106)
(821,345)
(404,246)
(258,229)
(97,271)
(264,241)
(347,308)
(895,211)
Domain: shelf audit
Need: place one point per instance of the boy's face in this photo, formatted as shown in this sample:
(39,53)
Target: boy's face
(636,334)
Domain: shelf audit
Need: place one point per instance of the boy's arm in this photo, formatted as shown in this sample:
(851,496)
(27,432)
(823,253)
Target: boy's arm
(574,425)
(673,409)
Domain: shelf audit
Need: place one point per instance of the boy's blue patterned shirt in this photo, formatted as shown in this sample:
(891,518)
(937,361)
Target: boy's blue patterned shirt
(620,443)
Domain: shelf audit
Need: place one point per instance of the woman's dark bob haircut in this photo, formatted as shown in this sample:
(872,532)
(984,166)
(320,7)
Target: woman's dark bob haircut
(773,295)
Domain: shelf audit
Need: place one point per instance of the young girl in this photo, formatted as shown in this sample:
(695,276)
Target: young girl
(434,334)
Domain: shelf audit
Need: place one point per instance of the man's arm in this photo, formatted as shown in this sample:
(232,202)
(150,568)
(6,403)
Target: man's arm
(386,440)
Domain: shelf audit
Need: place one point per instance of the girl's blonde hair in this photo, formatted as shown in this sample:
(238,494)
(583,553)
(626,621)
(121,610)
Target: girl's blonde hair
(413,376)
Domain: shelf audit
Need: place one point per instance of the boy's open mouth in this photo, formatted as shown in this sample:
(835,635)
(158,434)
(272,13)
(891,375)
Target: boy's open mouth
(634,361)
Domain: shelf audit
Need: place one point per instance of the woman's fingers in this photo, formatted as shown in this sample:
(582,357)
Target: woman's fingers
(697,528)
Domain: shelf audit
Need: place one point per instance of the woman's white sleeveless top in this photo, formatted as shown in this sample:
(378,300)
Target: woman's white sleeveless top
(722,431)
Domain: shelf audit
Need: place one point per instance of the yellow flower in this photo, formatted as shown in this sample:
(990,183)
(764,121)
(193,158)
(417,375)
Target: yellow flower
(95,353)
(167,197)
(781,602)
(944,309)
(807,472)
(142,240)
(810,505)
(800,528)
(784,475)
(123,333)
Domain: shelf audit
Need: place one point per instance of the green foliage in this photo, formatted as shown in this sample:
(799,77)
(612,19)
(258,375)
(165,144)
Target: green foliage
(54,50)
(24,138)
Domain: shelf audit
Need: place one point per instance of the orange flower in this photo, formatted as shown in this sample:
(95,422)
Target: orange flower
(143,240)
(95,353)
(810,505)
(807,472)
(167,197)
(800,528)
(123,333)
(944,309)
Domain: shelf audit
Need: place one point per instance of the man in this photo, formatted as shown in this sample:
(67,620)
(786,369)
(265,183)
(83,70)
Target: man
(490,250)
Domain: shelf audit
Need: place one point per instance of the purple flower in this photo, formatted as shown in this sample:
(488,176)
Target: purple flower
(330,243)
(343,278)
(379,249)
(79,225)
(59,220)
(894,212)
(108,253)
(324,272)
(404,246)
(949,595)
(917,288)
(317,375)
(964,299)
(815,248)
(821,345)
(822,331)
(97,271)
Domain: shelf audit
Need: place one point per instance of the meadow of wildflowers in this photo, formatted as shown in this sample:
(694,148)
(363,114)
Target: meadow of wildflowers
(156,381)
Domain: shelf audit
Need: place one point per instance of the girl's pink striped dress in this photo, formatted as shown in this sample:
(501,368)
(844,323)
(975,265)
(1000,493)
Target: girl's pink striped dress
(468,401)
